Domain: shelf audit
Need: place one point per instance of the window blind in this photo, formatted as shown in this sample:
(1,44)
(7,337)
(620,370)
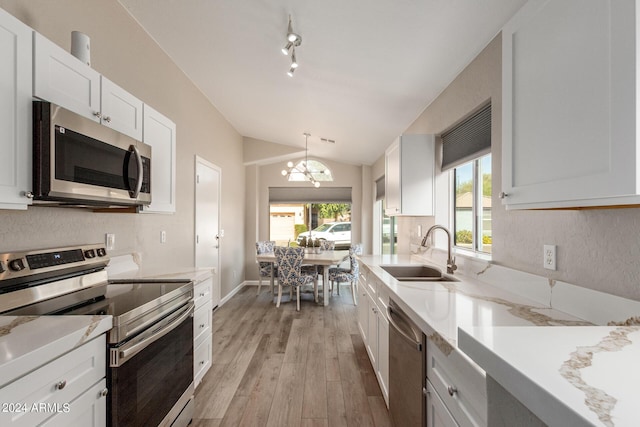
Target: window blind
(309,194)
(468,140)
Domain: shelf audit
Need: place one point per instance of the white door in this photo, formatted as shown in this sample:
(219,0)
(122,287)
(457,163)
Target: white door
(207,209)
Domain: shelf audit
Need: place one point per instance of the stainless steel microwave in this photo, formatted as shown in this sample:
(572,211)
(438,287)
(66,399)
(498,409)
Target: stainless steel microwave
(77,161)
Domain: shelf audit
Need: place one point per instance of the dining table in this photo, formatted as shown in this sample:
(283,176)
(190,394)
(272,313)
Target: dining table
(324,258)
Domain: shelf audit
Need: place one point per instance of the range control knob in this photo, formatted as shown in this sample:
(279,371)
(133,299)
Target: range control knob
(16,264)
(101,252)
(90,253)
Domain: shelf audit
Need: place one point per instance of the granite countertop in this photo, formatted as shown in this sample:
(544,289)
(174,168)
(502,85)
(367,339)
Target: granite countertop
(27,342)
(440,308)
(565,376)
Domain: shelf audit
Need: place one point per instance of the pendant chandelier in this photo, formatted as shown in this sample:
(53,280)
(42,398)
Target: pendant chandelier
(302,167)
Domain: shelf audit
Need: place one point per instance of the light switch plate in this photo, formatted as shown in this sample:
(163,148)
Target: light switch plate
(549,257)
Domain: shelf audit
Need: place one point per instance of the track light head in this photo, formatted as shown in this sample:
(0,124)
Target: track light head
(294,38)
(290,72)
(294,61)
(285,50)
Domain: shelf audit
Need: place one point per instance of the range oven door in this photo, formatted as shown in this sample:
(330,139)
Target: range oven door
(78,160)
(150,380)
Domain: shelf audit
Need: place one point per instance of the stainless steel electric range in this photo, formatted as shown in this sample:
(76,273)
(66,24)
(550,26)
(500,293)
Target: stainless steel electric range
(150,347)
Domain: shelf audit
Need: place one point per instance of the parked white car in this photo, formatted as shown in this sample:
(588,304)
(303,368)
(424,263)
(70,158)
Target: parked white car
(338,232)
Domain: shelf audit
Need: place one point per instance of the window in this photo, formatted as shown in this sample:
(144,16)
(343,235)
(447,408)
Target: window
(385,240)
(472,205)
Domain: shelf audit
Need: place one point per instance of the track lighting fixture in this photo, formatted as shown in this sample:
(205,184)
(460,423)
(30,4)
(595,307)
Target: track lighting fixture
(293,40)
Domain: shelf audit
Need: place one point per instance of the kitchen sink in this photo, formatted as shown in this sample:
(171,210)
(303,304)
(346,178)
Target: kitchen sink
(417,273)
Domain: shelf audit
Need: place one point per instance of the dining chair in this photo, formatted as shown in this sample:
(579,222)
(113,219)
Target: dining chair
(325,245)
(338,275)
(289,261)
(264,268)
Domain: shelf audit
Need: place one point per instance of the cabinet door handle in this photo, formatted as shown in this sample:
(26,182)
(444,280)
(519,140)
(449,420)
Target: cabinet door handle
(104,392)
(503,195)
(98,114)
(107,119)
(62,384)
(452,390)
(201,325)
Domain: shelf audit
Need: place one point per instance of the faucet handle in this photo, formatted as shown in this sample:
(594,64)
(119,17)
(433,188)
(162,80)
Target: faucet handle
(451,265)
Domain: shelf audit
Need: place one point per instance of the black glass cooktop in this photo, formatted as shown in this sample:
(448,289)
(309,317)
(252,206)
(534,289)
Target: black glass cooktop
(122,299)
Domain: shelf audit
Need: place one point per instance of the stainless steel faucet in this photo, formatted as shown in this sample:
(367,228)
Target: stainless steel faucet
(451,261)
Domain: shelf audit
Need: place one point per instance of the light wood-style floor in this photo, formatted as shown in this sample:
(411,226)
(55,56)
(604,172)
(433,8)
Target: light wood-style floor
(278,367)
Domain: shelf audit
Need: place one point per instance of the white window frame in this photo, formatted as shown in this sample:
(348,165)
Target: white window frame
(477,201)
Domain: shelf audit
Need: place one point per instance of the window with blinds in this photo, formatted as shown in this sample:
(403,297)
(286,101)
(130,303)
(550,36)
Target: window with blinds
(468,140)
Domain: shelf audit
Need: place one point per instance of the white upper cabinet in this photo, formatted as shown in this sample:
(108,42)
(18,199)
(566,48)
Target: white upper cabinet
(409,176)
(160,133)
(570,99)
(61,78)
(120,110)
(15,112)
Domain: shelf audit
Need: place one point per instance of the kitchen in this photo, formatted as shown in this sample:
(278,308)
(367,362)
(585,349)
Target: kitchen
(585,238)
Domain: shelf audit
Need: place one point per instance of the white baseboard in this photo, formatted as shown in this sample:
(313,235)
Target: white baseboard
(232,293)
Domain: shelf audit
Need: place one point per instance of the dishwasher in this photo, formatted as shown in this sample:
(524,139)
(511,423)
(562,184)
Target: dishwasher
(407,346)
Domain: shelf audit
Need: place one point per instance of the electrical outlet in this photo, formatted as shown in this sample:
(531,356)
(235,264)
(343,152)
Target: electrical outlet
(163,236)
(549,257)
(110,241)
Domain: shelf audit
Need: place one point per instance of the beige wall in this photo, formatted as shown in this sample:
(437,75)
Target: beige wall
(124,53)
(597,249)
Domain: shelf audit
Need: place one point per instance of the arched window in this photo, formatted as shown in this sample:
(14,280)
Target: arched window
(317,170)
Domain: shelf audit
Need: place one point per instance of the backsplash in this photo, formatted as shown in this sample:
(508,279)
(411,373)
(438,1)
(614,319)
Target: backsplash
(596,307)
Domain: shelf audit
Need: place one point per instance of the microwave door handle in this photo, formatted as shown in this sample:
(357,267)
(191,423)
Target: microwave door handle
(134,193)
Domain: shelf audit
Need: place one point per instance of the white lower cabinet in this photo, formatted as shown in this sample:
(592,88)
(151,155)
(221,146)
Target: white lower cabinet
(459,383)
(87,410)
(202,329)
(437,413)
(69,390)
(374,326)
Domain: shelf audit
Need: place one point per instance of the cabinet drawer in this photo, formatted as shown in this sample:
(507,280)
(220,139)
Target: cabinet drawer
(202,360)
(87,410)
(202,293)
(202,323)
(460,383)
(382,299)
(55,384)
(437,413)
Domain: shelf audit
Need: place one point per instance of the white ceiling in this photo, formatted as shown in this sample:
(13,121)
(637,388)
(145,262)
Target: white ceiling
(368,68)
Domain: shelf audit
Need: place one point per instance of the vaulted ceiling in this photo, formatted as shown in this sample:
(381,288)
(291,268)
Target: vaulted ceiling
(368,68)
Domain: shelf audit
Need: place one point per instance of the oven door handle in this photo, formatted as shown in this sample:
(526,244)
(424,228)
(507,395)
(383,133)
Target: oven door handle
(121,355)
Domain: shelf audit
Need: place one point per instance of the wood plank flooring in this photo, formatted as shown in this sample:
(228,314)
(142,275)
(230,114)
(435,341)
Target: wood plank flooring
(278,367)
